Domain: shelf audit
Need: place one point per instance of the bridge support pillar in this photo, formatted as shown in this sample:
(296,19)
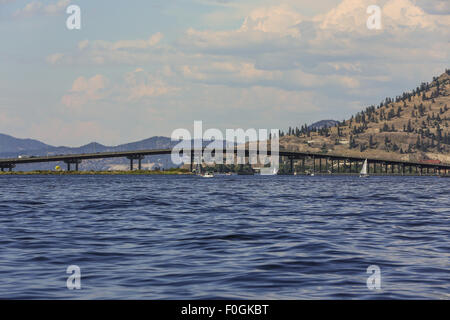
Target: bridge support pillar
(291,164)
(76,162)
(137,157)
(8,166)
(314,164)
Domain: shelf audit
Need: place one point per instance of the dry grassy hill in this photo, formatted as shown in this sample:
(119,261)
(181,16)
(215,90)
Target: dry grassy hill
(413,126)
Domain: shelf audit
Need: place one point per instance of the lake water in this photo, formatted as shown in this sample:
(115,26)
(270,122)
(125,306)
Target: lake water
(184,237)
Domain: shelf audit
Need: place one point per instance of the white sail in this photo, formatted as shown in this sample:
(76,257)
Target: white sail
(364,168)
(199,166)
(269,171)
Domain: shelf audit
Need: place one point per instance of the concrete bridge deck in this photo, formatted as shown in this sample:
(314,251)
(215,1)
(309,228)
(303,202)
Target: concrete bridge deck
(138,155)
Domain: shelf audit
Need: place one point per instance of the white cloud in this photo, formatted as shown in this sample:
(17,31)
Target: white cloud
(122,44)
(140,84)
(275,52)
(135,86)
(351,16)
(138,44)
(99,52)
(277,25)
(38,8)
(85,90)
(281,20)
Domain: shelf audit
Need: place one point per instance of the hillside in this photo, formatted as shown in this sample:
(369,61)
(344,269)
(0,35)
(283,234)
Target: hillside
(413,126)
(11,144)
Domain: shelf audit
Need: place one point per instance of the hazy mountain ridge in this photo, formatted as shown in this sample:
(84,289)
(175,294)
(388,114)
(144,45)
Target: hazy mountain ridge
(11,144)
(37,148)
(323,124)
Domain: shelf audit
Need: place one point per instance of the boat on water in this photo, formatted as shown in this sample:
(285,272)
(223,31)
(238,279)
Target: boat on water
(199,172)
(363,173)
(269,171)
(207,175)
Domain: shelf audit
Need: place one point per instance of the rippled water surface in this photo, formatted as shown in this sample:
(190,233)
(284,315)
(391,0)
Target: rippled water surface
(182,237)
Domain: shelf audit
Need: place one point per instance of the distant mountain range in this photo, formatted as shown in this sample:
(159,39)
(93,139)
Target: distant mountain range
(323,124)
(11,147)
(14,145)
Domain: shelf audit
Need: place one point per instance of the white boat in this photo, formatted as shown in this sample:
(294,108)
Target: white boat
(269,172)
(208,175)
(363,173)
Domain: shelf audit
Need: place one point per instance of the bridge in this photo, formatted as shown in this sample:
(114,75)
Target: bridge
(321,162)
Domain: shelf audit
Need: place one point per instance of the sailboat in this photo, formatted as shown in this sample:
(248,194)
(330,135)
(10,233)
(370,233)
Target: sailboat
(269,171)
(203,174)
(363,173)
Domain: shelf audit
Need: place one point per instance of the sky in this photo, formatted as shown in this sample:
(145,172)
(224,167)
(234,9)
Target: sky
(142,68)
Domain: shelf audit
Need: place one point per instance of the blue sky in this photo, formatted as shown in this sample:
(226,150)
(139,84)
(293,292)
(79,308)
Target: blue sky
(142,68)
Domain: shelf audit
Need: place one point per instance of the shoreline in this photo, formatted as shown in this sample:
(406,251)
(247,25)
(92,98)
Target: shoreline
(185,172)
